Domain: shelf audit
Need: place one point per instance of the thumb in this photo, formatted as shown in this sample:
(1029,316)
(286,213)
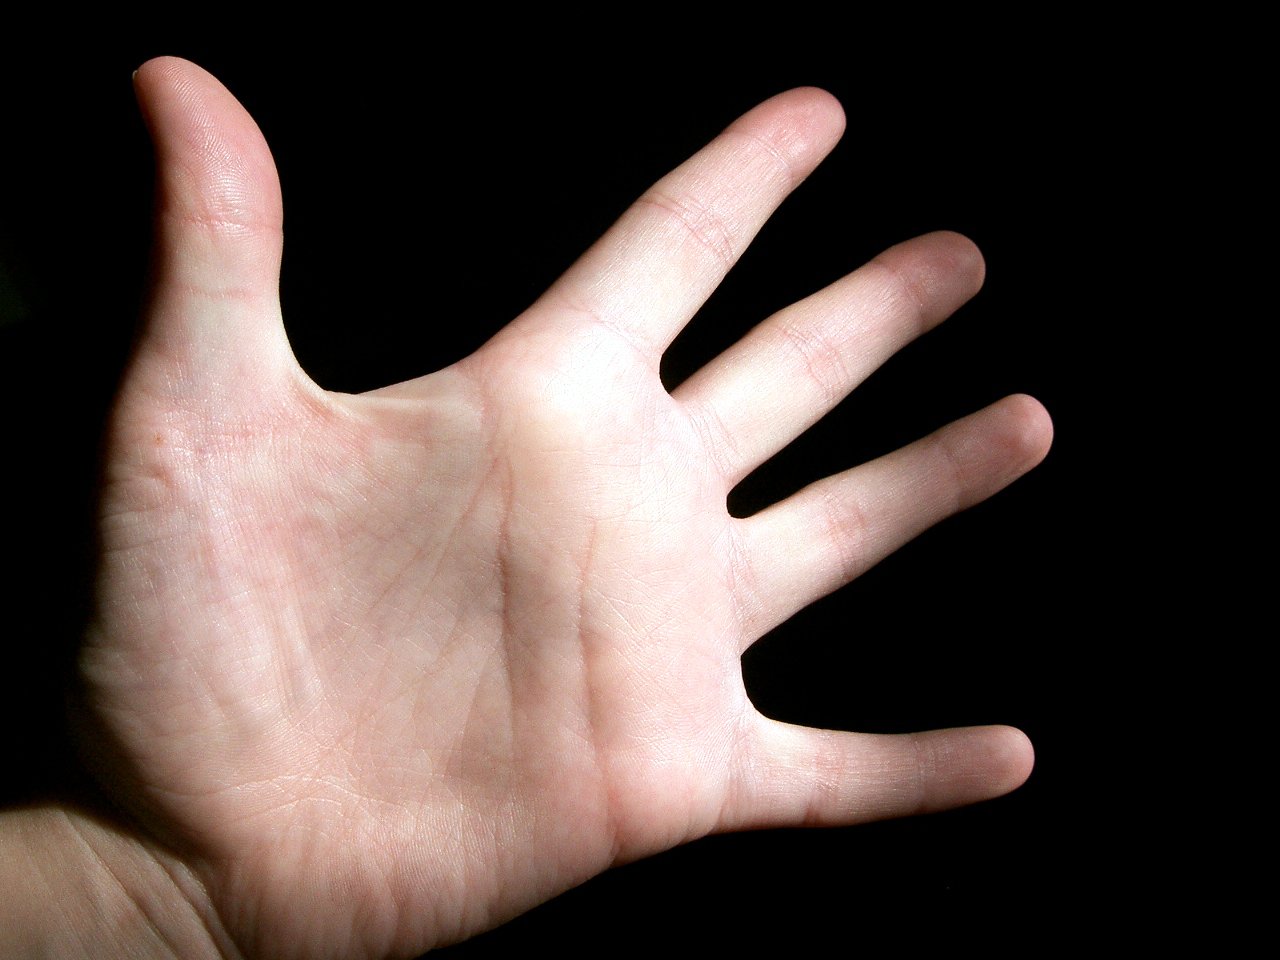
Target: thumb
(214,309)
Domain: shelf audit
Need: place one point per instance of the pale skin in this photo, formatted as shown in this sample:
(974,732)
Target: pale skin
(370,674)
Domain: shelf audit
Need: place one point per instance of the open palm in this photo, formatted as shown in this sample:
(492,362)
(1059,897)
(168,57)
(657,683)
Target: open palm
(381,671)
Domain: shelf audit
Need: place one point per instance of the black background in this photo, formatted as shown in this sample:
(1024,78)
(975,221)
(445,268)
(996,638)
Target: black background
(428,204)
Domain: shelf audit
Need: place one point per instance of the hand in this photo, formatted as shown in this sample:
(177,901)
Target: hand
(373,673)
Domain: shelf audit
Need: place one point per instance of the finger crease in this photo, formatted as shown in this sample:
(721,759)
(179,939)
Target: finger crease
(846,525)
(717,440)
(821,359)
(793,178)
(700,222)
(907,288)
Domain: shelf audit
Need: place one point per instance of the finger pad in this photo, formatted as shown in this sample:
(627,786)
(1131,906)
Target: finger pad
(801,126)
(214,164)
(971,764)
(1029,427)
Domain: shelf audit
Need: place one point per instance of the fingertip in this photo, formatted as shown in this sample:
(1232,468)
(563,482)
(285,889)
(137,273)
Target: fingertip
(213,164)
(159,64)
(819,104)
(825,107)
(932,276)
(1031,427)
(961,257)
(145,69)
(1002,443)
(144,82)
(969,256)
(801,126)
(1014,758)
(972,764)
(160,72)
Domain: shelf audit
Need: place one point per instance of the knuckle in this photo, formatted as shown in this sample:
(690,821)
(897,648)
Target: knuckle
(698,220)
(906,289)
(845,527)
(821,359)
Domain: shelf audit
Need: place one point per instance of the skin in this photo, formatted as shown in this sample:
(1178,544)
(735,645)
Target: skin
(370,674)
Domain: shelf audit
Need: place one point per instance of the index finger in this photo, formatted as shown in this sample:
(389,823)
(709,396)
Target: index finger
(652,270)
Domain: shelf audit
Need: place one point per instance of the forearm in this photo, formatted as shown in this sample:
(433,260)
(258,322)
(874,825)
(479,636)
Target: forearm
(74,886)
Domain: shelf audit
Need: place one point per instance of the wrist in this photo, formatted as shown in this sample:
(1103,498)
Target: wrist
(77,885)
